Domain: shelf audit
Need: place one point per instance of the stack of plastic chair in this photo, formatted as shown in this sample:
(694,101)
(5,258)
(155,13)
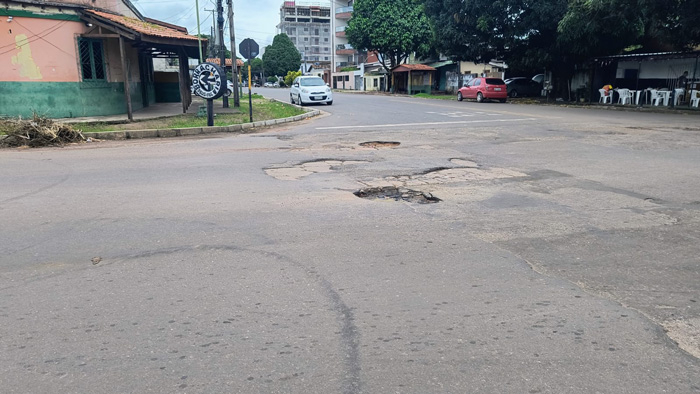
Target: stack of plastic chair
(604,98)
(655,97)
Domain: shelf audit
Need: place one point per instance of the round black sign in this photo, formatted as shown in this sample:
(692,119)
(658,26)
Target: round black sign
(209,81)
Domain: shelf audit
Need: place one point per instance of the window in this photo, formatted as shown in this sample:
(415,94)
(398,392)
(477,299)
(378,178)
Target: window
(92,63)
(306,29)
(325,39)
(316,32)
(347,77)
(325,31)
(375,82)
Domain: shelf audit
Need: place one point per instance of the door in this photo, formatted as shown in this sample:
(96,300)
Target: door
(470,91)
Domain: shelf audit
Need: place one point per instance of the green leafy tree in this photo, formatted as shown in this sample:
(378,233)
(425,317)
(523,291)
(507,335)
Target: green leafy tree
(521,33)
(597,27)
(392,28)
(280,57)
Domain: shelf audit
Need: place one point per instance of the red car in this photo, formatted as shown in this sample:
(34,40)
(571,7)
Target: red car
(484,89)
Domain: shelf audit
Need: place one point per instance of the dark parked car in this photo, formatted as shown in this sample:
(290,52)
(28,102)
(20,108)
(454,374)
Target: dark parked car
(521,86)
(483,89)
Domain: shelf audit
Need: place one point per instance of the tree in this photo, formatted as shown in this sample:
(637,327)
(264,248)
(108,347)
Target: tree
(280,57)
(393,28)
(521,33)
(595,27)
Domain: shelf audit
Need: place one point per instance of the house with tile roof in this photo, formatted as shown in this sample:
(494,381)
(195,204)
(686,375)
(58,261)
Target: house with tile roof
(73,58)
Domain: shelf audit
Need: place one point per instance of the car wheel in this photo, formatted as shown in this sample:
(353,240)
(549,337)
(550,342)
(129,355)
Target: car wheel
(300,101)
(479,98)
(291,98)
(330,102)
(513,93)
(228,92)
(459,96)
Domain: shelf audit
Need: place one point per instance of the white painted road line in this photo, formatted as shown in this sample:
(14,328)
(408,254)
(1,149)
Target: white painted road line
(424,124)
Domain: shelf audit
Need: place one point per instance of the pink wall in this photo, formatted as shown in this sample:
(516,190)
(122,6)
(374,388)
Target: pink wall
(41,50)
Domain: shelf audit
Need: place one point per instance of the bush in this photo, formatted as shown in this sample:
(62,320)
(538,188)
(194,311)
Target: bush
(289,78)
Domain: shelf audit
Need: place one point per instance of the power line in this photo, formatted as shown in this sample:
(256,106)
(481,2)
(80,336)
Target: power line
(35,37)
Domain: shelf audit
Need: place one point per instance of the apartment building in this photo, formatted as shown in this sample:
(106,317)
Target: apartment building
(308,25)
(345,54)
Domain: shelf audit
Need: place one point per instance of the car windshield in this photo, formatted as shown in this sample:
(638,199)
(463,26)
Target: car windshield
(311,82)
(494,81)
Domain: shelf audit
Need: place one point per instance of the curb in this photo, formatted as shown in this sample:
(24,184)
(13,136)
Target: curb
(190,131)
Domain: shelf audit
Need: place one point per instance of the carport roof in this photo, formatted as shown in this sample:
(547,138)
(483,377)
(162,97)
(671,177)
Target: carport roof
(650,56)
(160,38)
(412,67)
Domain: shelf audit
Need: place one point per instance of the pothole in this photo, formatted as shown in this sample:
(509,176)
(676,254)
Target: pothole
(380,144)
(397,194)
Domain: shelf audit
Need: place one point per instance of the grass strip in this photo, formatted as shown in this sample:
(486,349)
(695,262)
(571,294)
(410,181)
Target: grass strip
(263,109)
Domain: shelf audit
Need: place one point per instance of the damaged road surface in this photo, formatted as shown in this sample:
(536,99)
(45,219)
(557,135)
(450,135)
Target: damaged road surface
(562,256)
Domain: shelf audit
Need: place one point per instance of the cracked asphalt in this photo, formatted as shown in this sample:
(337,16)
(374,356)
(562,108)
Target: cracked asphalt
(561,258)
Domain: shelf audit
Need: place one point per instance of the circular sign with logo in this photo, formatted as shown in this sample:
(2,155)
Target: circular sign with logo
(209,81)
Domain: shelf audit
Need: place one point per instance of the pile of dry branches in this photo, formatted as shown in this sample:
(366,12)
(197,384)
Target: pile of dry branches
(37,131)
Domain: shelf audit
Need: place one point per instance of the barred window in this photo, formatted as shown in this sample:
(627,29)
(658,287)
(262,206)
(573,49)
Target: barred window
(91,59)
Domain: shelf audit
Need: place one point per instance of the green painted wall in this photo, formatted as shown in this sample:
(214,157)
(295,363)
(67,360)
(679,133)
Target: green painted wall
(167,92)
(68,99)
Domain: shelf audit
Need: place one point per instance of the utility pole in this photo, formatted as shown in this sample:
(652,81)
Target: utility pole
(211,49)
(222,54)
(199,33)
(234,58)
(332,43)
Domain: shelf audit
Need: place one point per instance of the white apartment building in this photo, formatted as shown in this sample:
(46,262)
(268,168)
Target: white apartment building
(308,25)
(345,54)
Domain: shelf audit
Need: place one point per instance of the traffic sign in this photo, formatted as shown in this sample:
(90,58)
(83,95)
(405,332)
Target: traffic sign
(248,48)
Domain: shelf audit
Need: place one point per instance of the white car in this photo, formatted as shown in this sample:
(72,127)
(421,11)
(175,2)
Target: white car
(310,89)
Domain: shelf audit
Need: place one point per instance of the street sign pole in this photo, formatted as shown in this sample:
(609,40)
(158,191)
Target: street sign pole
(250,96)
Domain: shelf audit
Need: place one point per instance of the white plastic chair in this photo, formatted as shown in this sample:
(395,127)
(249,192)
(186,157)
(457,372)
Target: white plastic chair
(655,97)
(625,97)
(694,98)
(603,97)
(677,95)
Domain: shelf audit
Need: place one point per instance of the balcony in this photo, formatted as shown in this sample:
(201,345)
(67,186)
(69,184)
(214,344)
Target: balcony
(344,49)
(340,31)
(343,13)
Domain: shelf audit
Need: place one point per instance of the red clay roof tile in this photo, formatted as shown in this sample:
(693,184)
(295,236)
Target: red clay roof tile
(146,28)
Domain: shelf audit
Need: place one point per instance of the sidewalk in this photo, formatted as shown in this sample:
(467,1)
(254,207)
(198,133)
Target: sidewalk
(156,111)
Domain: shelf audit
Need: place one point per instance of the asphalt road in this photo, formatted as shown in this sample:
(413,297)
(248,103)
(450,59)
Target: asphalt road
(561,258)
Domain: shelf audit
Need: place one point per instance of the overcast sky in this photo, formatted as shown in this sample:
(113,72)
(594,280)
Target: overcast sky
(256,19)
